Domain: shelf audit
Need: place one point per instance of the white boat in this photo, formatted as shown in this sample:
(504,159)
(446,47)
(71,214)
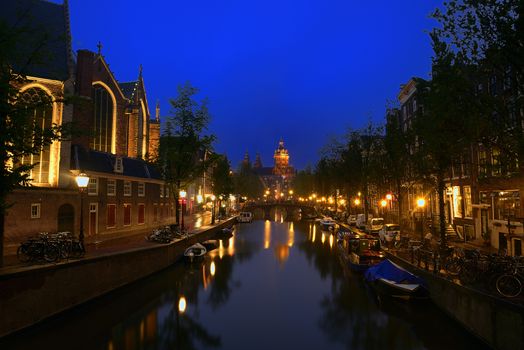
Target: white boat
(245,216)
(195,252)
(327,224)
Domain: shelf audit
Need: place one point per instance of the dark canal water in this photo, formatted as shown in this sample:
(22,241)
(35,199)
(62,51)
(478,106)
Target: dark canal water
(273,285)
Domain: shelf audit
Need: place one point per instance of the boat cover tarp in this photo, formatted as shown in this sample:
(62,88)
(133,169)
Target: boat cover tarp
(391,271)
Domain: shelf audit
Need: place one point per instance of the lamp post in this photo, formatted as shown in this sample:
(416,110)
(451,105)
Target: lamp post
(383,204)
(82,180)
(183,195)
(421,203)
(213,198)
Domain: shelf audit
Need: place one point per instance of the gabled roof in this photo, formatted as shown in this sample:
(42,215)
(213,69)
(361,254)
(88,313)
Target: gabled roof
(128,88)
(101,162)
(42,45)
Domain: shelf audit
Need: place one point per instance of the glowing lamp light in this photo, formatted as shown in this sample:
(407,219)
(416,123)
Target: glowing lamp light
(82,180)
(389,196)
(200,199)
(357,201)
(383,203)
(212,268)
(421,202)
(182,304)
(213,197)
(182,194)
(290,192)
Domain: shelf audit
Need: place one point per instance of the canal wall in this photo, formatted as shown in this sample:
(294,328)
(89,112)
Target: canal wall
(498,322)
(31,294)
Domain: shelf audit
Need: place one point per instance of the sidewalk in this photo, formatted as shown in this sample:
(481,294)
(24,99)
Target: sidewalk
(107,244)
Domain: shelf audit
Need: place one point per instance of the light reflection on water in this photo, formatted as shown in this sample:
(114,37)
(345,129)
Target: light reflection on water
(237,299)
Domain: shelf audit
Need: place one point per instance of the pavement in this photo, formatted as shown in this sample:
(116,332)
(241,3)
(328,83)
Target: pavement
(107,245)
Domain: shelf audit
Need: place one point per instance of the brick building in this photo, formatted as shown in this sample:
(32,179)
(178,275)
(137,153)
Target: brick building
(125,193)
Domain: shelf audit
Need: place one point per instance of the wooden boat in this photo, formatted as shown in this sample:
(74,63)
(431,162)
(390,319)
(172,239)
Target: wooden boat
(389,279)
(361,251)
(196,251)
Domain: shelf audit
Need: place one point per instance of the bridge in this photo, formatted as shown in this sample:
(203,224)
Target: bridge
(290,208)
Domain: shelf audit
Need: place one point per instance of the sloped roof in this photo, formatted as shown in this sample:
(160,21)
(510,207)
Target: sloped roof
(42,37)
(102,162)
(128,88)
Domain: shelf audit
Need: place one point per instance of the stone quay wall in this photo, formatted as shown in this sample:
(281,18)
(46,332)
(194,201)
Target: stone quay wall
(31,294)
(497,322)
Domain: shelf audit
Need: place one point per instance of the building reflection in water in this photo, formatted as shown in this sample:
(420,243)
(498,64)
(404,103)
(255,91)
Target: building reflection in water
(225,247)
(331,240)
(323,237)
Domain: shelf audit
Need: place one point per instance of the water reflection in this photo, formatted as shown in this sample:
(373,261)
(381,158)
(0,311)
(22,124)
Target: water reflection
(309,301)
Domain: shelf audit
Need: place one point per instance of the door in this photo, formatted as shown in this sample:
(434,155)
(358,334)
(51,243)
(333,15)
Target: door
(93,219)
(66,218)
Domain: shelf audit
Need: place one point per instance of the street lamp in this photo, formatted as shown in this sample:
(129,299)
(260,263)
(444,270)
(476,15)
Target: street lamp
(213,198)
(183,195)
(82,180)
(421,203)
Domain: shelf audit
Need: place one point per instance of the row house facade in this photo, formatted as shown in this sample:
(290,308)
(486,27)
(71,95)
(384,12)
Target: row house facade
(117,135)
(483,199)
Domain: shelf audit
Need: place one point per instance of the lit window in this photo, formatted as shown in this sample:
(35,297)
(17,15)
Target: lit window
(92,187)
(111,215)
(127,188)
(141,213)
(468,208)
(457,202)
(161,191)
(35,211)
(111,187)
(167,192)
(141,189)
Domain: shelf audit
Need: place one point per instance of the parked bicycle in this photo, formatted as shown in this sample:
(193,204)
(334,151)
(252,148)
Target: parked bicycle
(510,283)
(50,248)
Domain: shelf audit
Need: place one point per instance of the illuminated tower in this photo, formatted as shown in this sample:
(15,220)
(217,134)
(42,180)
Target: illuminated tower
(281,160)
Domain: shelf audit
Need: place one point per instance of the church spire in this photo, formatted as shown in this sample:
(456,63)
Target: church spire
(140,71)
(258,162)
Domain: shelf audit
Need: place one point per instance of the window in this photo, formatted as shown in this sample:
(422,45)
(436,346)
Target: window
(127,214)
(35,101)
(127,188)
(35,211)
(92,187)
(483,162)
(103,120)
(167,192)
(141,213)
(141,189)
(119,165)
(111,187)
(506,203)
(457,202)
(495,162)
(468,208)
(111,215)
(161,191)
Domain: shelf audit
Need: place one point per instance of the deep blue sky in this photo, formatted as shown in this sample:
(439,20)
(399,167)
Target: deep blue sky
(303,70)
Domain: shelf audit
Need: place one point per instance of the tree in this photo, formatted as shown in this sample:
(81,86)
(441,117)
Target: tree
(247,183)
(183,145)
(490,36)
(444,101)
(304,182)
(22,134)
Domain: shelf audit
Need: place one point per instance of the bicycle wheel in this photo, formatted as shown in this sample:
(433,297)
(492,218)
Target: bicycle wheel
(22,253)
(51,253)
(509,286)
(453,266)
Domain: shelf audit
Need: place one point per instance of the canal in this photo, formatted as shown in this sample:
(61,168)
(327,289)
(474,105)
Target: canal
(273,285)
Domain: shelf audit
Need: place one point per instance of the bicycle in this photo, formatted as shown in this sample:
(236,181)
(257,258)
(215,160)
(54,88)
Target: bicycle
(509,284)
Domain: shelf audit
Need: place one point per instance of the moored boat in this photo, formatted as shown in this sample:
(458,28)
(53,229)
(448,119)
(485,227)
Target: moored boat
(361,251)
(392,280)
(196,251)
(327,224)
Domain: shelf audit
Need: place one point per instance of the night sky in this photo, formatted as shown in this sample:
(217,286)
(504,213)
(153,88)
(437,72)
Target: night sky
(303,70)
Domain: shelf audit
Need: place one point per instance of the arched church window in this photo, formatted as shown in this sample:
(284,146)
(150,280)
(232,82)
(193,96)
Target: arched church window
(103,120)
(140,132)
(37,101)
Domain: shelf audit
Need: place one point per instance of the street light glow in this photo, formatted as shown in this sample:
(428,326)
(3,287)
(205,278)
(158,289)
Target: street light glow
(421,202)
(182,304)
(383,203)
(389,196)
(82,180)
(183,194)
(356,201)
